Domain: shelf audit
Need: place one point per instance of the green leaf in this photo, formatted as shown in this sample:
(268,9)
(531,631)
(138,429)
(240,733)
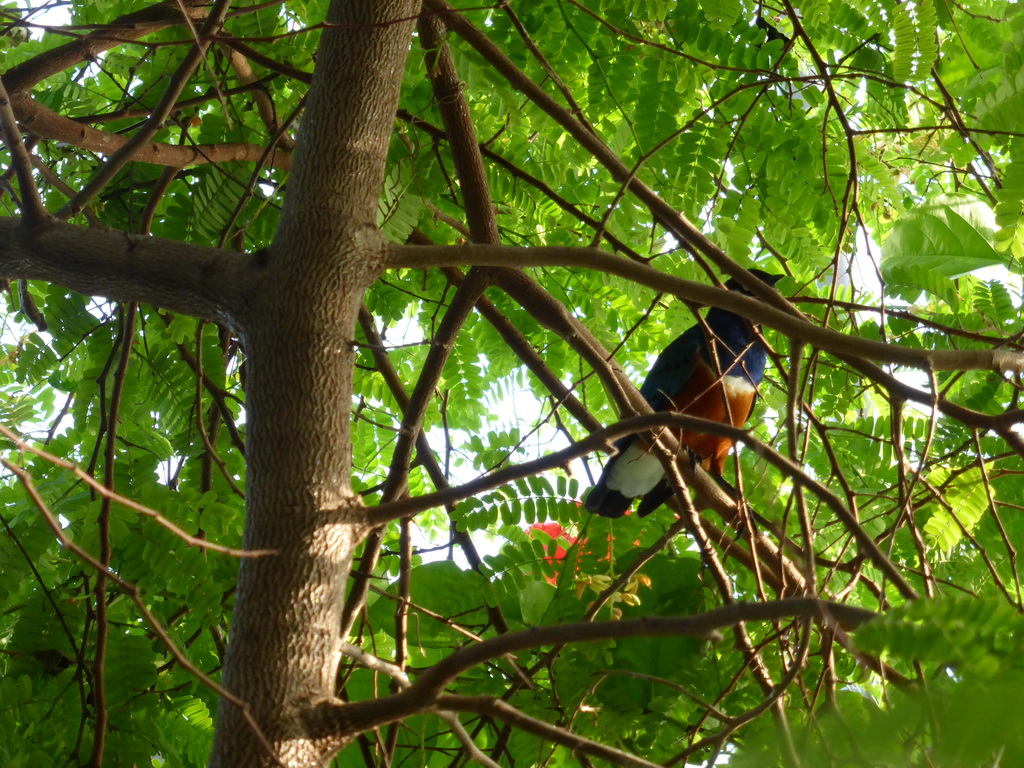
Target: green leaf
(950,238)
(966,500)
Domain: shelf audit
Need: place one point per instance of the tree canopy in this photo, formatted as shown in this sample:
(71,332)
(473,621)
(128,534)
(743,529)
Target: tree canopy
(321,317)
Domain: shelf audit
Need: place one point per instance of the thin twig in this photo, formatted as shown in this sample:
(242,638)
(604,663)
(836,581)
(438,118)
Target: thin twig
(133,593)
(175,85)
(126,502)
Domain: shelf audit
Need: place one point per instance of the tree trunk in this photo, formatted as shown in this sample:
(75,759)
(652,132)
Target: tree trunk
(298,331)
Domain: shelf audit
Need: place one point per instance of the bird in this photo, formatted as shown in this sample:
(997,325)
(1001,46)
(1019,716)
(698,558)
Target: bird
(712,371)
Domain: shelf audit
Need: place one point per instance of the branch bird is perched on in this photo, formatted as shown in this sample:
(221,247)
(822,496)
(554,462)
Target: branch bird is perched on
(711,371)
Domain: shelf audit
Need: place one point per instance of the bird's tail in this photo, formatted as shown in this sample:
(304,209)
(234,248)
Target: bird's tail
(603,501)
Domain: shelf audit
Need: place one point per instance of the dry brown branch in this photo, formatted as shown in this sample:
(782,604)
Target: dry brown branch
(752,308)
(32,206)
(47,124)
(332,718)
(397,509)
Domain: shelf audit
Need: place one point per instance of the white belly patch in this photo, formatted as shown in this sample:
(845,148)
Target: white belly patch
(635,473)
(737,386)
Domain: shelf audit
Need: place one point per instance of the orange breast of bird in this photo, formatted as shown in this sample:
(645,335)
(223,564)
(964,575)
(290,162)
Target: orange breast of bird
(707,397)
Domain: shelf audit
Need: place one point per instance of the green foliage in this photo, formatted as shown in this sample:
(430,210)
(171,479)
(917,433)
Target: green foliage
(964,500)
(949,239)
(965,655)
(914,28)
(1009,210)
(877,140)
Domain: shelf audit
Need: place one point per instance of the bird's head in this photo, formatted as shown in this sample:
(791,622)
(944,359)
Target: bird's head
(760,274)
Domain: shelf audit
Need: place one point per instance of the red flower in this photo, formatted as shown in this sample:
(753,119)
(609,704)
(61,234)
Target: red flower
(556,532)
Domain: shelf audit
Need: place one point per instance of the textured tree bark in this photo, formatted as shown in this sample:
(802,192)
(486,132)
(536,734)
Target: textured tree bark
(189,279)
(298,327)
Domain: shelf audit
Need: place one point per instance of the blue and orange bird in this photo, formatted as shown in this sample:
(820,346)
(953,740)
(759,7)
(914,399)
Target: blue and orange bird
(712,371)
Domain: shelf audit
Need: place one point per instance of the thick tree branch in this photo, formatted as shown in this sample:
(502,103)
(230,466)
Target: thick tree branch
(299,333)
(344,719)
(47,124)
(483,227)
(469,165)
(31,205)
(823,338)
(339,165)
(191,279)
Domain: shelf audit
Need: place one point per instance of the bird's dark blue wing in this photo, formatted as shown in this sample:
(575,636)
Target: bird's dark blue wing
(673,368)
(668,376)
